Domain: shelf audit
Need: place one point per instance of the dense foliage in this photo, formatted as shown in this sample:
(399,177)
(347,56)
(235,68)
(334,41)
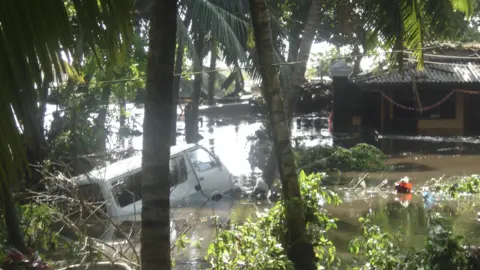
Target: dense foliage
(259,244)
(361,158)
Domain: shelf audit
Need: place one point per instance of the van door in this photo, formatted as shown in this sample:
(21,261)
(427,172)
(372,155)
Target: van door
(180,185)
(212,175)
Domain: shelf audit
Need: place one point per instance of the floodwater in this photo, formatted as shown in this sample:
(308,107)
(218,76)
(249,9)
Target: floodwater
(419,158)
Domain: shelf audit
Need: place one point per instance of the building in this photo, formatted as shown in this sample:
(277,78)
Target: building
(441,100)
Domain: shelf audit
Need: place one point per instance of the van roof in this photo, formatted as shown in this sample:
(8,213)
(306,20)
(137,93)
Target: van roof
(123,166)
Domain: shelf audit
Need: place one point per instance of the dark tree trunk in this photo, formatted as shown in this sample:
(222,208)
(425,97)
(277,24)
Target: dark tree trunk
(178,70)
(191,126)
(122,119)
(357,61)
(295,40)
(101,131)
(297,245)
(271,168)
(298,76)
(159,103)
(229,80)
(212,74)
(12,222)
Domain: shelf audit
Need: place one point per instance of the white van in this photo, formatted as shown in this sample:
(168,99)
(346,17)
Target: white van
(196,175)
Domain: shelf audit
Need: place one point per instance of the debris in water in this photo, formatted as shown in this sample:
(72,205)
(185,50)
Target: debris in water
(428,199)
(403,186)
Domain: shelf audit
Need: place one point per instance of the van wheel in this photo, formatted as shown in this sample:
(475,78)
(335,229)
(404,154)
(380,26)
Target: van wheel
(217,197)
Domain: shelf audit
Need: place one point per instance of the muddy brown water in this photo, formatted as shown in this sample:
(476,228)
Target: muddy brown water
(419,158)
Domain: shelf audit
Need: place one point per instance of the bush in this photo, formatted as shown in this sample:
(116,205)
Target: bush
(258,244)
(37,222)
(457,186)
(362,157)
(443,250)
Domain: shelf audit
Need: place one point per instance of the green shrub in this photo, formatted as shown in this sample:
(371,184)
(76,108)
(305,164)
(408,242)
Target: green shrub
(37,224)
(362,157)
(443,250)
(258,244)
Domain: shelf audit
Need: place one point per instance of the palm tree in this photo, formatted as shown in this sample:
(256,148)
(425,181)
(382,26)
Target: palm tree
(302,54)
(214,22)
(298,247)
(33,36)
(159,101)
(411,24)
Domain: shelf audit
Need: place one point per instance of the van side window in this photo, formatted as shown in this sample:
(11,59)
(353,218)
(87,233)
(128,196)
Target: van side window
(178,171)
(128,190)
(202,160)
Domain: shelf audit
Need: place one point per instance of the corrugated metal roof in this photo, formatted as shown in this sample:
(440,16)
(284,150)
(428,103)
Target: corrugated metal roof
(432,73)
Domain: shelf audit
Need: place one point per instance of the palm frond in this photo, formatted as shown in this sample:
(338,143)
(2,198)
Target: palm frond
(33,36)
(408,23)
(225,20)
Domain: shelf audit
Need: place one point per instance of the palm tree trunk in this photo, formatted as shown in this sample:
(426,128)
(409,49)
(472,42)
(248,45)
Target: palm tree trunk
(299,250)
(122,105)
(357,61)
(212,74)
(101,134)
(176,87)
(298,76)
(191,126)
(122,120)
(178,70)
(159,103)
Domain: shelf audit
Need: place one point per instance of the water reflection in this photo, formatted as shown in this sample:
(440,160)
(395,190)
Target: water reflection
(419,158)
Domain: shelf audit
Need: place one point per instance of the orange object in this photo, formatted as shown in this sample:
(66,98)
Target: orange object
(406,197)
(403,187)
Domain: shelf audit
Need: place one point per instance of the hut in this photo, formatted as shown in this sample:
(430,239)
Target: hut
(443,99)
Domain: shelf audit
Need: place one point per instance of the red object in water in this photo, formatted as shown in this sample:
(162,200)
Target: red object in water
(330,122)
(403,187)
(406,197)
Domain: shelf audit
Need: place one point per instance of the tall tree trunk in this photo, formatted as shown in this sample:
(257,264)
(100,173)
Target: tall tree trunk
(191,126)
(294,43)
(15,236)
(212,74)
(297,245)
(357,61)
(101,134)
(159,103)
(178,70)
(122,104)
(298,76)
(77,61)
